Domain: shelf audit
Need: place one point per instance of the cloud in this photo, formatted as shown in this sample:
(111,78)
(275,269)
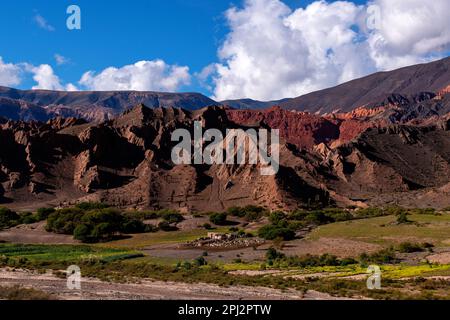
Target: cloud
(409,32)
(10,74)
(46,79)
(61,60)
(142,76)
(153,75)
(71,87)
(274,52)
(43,23)
(204,76)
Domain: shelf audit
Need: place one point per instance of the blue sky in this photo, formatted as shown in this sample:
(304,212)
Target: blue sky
(118,33)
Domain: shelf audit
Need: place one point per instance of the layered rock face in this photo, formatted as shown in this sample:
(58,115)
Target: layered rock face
(127,162)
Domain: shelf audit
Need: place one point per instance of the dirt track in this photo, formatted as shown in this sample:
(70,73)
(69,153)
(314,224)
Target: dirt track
(93,289)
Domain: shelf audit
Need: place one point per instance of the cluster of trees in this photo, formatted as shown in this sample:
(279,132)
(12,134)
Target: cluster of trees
(10,218)
(94,222)
(284,225)
(248,213)
(170,218)
(93,225)
(279,228)
(218,218)
(274,257)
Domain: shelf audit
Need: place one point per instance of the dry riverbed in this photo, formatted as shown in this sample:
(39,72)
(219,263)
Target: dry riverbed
(94,289)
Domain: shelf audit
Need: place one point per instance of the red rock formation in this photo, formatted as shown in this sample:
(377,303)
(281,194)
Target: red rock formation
(301,129)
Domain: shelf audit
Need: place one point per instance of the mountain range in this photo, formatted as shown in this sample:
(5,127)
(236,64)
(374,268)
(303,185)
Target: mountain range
(383,139)
(407,85)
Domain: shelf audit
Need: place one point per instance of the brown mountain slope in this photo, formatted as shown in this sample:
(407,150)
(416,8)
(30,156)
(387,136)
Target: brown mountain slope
(372,90)
(127,162)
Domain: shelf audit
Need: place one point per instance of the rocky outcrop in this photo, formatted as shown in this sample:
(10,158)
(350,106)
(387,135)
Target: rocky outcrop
(127,161)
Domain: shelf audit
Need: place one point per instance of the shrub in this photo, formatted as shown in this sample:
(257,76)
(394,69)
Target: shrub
(426,211)
(8,218)
(166,226)
(249,213)
(277,216)
(348,262)
(142,215)
(274,257)
(149,228)
(200,261)
(82,232)
(337,215)
(408,247)
(64,221)
(318,217)
(134,226)
(272,232)
(273,254)
(172,216)
(219,219)
(384,256)
(370,213)
(85,206)
(402,217)
(44,213)
(236,212)
(28,218)
(298,215)
(207,226)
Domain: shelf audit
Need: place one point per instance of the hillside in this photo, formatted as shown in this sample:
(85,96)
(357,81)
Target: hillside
(372,90)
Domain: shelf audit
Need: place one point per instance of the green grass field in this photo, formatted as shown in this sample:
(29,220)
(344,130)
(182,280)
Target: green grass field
(64,253)
(384,231)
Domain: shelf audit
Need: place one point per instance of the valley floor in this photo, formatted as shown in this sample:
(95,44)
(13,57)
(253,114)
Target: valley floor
(94,289)
(231,273)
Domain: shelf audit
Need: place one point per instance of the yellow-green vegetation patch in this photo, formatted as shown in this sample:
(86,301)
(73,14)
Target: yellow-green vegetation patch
(425,270)
(342,271)
(240,266)
(385,231)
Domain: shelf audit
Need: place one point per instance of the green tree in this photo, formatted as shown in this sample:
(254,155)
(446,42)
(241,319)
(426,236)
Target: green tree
(219,219)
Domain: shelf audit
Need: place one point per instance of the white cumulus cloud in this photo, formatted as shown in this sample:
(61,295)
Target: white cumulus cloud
(46,79)
(153,75)
(10,74)
(274,52)
(409,32)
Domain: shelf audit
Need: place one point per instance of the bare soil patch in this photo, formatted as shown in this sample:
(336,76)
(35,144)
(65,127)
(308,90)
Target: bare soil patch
(34,234)
(441,258)
(342,248)
(93,289)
